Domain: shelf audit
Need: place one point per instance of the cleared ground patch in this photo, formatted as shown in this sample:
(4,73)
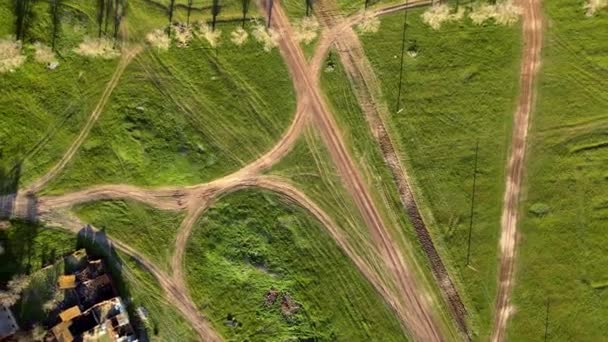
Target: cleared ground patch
(565,211)
(262,270)
(459,89)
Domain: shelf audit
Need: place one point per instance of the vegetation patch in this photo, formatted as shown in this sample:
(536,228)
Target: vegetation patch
(261,269)
(560,255)
(97,48)
(173,119)
(11,57)
(450,112)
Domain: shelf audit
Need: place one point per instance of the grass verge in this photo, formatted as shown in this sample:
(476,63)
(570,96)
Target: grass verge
(459,89)
(254,269)
(565,212)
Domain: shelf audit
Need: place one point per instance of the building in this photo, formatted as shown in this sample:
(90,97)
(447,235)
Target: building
(8,325)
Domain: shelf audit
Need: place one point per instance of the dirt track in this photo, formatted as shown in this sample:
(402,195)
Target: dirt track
(532,39)
(126,58)
(417,315)
(410,304)
(367,90)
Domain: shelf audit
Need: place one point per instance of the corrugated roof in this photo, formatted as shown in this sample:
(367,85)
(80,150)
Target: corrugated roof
(70,313)
(67,282)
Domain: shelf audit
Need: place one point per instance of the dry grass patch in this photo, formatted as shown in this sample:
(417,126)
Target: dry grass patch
(503,13)
(268,37)
(436,15)
(206,31)
(159,39)
(239,36)
(593,6)
(182,35)
(369,24)
(306,30)
(97,48)
(11,57)
(43,54)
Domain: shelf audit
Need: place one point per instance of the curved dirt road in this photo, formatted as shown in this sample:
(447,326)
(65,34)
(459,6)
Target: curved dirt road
(409,303)
(533,39)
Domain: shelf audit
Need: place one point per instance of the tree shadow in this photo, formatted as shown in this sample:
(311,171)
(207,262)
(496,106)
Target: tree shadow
(9,185)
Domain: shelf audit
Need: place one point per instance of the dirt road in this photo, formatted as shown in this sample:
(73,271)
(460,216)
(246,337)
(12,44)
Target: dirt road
(418,317)
(532,39)
(368,92)
(409,302)
(127,56)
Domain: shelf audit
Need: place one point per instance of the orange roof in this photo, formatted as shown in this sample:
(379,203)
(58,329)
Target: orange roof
(62,333)
(67,282)
(70,313)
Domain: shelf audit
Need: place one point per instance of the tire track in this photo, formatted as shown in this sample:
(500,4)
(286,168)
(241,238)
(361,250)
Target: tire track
(417,316)
(367,90)
(126,58)
(532,38)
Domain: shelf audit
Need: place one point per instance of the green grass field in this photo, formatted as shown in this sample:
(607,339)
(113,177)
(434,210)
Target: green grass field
(250,247)
(186,116)
(565,212)
(151,232)
(458,90)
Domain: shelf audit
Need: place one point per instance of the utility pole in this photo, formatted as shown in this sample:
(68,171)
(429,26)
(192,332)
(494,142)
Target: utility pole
(472,204)
(402,53)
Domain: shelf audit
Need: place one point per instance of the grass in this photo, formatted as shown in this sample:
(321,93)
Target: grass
(28,247)
(460,89)
(562,250)
(42,288)
(164,322)
(44,109)
(186,116)
(250,244)
(149,231)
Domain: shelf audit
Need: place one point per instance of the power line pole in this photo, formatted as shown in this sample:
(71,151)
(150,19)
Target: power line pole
(472,204)
(402,53)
